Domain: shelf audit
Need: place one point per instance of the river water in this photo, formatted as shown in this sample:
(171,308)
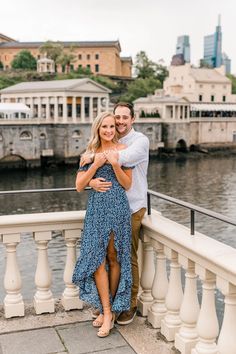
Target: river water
(206,182)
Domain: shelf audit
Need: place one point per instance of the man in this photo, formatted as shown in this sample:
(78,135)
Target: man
(136,154)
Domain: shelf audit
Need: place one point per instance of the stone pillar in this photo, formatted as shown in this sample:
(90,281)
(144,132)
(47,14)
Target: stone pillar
(187,337)
(99,105)
(43,299)
(107,103)
(159,288)
(39,108)
(13,302)
(226,341)
(164,112)
(70,298)
(74,109)
(207,324)
(174,112)
(48,118)
(90,109)
(56,118)
(148,271)
(170,325)
(82,110)
(64,109)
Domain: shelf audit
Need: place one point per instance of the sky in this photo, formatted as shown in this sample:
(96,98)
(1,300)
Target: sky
(148,25)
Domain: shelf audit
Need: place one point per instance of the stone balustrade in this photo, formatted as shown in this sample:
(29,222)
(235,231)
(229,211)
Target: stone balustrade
(169,252)
(175,311)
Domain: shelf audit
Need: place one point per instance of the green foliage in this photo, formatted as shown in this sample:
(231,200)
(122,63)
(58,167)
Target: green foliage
(150,115)
(141,88)
(146,68)
(24,60)
(51,50)
(233,80)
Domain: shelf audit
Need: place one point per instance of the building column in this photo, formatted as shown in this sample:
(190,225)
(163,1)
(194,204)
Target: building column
(164,112)
(74,109)
(82,110)
(32,106)
(99,105)
(64,109)
(107,103)
(174,111)
(47,110)
(90,109)
(55,109)
(39,108)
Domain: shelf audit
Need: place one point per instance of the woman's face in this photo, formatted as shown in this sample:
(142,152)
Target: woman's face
(107,129)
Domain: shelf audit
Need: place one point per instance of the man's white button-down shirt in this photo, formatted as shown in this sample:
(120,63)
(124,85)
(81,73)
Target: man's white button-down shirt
(136,155)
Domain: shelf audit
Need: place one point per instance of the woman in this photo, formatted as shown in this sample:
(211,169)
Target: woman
(103,270)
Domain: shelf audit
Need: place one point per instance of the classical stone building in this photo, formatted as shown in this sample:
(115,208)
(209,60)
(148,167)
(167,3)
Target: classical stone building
(101,57)
(201,85)
(60,101)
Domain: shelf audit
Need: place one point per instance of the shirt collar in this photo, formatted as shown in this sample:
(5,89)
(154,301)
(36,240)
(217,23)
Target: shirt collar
(127,136)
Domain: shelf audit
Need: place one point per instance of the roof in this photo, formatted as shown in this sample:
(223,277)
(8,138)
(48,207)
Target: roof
(56,85)
(126,59)
(213,107)
(14,107)
(5,38)
(163,99)
(82,44)
(208,75)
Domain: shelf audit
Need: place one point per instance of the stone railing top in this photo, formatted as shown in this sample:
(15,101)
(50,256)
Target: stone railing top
(213,255)
(41,221)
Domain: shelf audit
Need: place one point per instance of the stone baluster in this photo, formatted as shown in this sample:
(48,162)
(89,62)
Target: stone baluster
(187,337)
(13,302)
(227,341)
(43,299)
(159,288)
(70,298)
(170,325)
(145,300)
(207,324)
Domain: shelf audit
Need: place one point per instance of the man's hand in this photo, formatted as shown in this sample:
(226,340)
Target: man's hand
(100,184)
(99,159)
(86,159)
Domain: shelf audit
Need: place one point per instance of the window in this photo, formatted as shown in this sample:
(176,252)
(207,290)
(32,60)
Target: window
(212,98)
(96,68)
(26,136)
(200,98)
(88,56)
(88,66)
(224,98)
(80,56)
(76,134)
(79,66)
(96,56)
(42,136)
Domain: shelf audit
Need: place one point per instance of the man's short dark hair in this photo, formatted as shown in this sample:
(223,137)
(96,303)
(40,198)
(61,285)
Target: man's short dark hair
(125,104)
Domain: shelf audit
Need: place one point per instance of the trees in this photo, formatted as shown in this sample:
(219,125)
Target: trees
(51,50)
(24,60)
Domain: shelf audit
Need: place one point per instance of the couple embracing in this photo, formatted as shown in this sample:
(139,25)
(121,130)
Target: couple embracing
(115,166)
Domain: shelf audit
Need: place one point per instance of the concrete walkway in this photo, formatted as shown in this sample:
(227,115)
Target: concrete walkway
(72,333)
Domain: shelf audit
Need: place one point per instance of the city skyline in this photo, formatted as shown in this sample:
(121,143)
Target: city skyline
(152,27)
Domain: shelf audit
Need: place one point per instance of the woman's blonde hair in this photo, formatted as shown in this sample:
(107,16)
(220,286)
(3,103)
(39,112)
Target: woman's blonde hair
(95,141)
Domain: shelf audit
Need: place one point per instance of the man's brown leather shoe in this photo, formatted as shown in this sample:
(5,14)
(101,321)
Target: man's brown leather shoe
(126,317)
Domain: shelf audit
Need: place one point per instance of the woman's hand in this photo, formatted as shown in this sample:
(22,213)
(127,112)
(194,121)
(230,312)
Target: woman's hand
(99,159)
(111,156)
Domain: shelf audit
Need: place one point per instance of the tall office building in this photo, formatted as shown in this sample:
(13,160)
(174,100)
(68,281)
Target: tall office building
(213,50)
(183,47)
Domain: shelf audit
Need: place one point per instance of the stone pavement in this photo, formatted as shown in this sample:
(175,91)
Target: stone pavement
(72,333)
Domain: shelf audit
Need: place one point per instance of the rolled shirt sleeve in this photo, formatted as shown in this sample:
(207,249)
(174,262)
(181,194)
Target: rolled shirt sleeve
(136,153)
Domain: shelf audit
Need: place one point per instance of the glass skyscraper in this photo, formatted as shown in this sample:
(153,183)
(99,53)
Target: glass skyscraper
(183,47)
(213,50)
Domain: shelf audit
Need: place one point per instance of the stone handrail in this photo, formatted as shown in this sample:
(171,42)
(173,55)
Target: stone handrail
(176,312)
(42,226)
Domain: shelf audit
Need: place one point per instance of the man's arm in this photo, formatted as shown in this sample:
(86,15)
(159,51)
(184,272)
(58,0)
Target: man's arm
(136,153)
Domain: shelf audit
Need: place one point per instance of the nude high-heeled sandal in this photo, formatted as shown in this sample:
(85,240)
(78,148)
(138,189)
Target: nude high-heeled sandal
(102,333)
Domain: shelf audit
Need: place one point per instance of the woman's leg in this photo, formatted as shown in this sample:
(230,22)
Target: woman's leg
(114,266)
(102,283)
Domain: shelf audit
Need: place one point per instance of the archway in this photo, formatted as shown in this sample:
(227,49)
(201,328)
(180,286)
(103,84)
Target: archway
(13,161)
(181,146)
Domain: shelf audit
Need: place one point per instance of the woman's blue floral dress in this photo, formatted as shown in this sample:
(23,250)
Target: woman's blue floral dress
(106,213)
